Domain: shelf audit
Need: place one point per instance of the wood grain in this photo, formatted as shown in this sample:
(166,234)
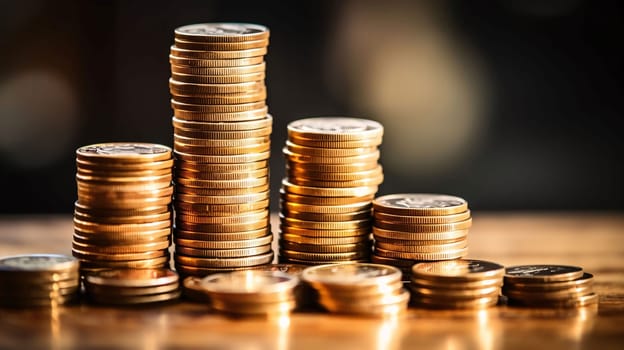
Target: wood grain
(594,241)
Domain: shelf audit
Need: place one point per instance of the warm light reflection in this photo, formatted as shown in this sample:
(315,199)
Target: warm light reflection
(55,326)
(388,336)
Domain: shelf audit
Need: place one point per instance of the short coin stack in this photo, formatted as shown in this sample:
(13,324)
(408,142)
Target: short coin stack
(456,284)
(549,286)
(222,144)
(38,280)
(132,286)
(332,176)
(122,218)
(362,289)
(409,228)
(252,292)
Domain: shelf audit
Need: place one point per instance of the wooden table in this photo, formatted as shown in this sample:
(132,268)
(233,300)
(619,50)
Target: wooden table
(594,241)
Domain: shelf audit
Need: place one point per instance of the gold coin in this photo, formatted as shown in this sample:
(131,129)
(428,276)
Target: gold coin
(350,275)
(447,255)
(326,225)
(317,200)
(104,202)
(418,236)
(182,88)
(255,115)
(123,152)
(542,273)
(223,184)
(135,300)
(299,158)
(431,248)
(364,143)
(458,270)
(229,200)
(221,228)
(399,263)
(424,228)
(226,159)
(335,129)
(320,248)
(218,79)
(163,165)
(455,294)
(185,270)
(122,195)
(419,204)
(222,168)
(222,151)
(85,226)
(586,280)
(246,218)
(410,219)
(251,286)
(121,248)
(235,70)
(287,260)
(402,242)
(221,209)
(115,173)
(223,253)
(433,303)
(235,127)
(89,266)
(541,296)
(122,236)
(292,254)
(326,209)
(222,236)
(222,32)
(365,238)
(98,257)
(204,175)
(224,262)
(369,182)
(132,278)
(200,58)
(327,176)
(246,243)
(233,108)
(365,214)
(105,180)
(95,240)
(222,99)
(329,192)
(215,63)
(123,292)
(223,135)
(190,45)
(129,187)
(388,304)
(331,168)
(449,283)
(324,233)
(222,192)
(187,141)
(328,152)
(116,212)
(121,219)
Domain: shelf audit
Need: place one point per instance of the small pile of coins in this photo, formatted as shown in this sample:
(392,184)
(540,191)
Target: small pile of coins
(122,218)
(355,288)
(131,286)
(409,228)
(549,286)
(251,292)
(38,280)
(332,176)
(456,284)
(222,145)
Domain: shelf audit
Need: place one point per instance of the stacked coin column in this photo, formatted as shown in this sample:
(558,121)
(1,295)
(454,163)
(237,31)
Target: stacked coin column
(332,177)
(222,135)
(122,218)
(414,227)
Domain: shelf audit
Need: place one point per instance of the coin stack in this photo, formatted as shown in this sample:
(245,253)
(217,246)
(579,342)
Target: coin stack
(252,292)
(131,286)
(456,284)
(222,144)
(122,218)
(549,286)
(355,288)
(409,228)
(332,176)
(38,280)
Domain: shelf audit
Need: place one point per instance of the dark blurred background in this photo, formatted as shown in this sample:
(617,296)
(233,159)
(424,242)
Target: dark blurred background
(509,104)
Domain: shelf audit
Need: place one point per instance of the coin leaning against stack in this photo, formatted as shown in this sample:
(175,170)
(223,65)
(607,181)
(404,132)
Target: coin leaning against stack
(332,176)
(122,218)
(549,286)
(132,286)
(456,284)
(409,228)
(355,288)
(222,133)
(38,280)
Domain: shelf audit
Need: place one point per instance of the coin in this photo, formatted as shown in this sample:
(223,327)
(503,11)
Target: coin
(222,32)
(420,204)
(224,262)
(455,270)
(335,129)
(351,274)
(246,243)
(542,273)
(124,152)
(216,58)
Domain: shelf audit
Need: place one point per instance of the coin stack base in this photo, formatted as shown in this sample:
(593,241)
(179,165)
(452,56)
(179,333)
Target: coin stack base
(122,218)
(252,292)
(549,286)
(411,228)
(38,280)
(360,289)
(222,144)
(132,286)
(332,175)
(456,284)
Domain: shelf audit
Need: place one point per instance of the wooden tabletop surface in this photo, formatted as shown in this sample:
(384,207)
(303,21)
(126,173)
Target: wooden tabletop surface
(593,241)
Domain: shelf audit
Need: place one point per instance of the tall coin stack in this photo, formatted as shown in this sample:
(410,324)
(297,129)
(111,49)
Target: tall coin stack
(222,135)
(122,218)
(332,177)
(409,228)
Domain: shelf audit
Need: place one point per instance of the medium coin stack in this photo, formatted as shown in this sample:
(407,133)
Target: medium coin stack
(354,288)
(252,292)
(38,280)
(222,144)
(131,286)
(456,284)
(549,286)
(122,218)
(332,176)
(409,228)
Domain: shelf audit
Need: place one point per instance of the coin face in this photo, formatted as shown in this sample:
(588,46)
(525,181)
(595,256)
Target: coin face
(132,277)
(543,272)
(249,281)
(124,150)
(420,202)
(458,268)
(38,262)
(245,30)
(335,126)
(351,274)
